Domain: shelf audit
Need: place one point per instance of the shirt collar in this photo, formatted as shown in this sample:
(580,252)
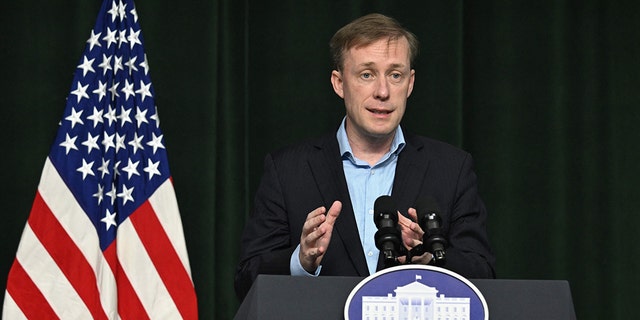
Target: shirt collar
(345,148)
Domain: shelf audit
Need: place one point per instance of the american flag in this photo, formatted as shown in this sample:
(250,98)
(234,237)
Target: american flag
(104,238)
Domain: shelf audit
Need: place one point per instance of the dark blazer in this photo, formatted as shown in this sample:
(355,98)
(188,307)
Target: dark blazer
(300,178)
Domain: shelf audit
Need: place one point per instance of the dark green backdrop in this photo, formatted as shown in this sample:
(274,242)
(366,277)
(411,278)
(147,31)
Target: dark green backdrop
(544,94)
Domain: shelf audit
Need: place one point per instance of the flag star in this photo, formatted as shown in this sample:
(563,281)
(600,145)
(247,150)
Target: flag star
(156,117)
(122,37)
(112,193)
(104,168)
(145,65)
(116,170)
(109,219)
(134,38)
(106,64)
(99,194)
(126,194)
(117,65)
(136,142)
(69,143)
(145,90)
(86,66)
(156,142)
(134,13)
(121,11)
(107,142)
(114,90)
(131,64)
(111,116)
(124,116)
(131,168)
(101,91)
(86,169)
(94,40)
(91,142)
(141,116)
(120,142)
(81,92)
(75,117)
(128,89)
(96,117)
(152,168)
(110,37)
(113,12)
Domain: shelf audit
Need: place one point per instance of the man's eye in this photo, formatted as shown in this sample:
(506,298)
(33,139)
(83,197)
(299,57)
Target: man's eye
(366,75)
(396,76)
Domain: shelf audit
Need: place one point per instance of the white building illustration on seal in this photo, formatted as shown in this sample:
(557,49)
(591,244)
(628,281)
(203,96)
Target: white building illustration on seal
(415,301)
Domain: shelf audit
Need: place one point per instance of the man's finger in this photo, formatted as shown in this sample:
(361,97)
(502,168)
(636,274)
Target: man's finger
(413,214)
(333,212)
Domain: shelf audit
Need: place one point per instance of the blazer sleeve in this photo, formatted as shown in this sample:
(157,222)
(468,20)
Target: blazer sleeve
(469,252)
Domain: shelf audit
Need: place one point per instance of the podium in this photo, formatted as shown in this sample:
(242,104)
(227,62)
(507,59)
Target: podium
(287,297)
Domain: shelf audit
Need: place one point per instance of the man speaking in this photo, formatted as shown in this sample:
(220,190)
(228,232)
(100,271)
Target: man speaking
(314,208)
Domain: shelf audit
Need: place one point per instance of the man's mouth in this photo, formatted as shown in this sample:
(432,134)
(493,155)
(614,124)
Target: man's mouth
(380,111)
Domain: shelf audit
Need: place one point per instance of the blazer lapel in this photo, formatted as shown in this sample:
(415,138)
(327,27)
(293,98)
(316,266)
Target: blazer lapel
(326,166)
(411,169)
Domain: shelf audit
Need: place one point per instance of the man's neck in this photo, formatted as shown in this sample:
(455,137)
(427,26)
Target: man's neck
(370,149)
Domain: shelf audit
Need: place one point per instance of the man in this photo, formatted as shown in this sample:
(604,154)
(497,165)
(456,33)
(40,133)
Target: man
(313,212)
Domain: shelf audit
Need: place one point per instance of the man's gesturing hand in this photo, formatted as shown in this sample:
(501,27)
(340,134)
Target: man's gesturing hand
(316,234)
(412,236)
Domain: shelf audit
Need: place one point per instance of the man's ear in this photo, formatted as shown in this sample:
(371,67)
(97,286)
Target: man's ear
(412,79)
(336,82)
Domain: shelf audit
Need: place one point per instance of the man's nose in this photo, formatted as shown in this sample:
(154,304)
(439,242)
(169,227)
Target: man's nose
(382,89)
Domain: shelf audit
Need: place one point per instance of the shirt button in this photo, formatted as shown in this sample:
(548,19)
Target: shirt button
(370,211)
(370,254)
(373,172)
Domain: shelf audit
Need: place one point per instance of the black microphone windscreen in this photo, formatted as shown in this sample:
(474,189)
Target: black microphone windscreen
(384,205)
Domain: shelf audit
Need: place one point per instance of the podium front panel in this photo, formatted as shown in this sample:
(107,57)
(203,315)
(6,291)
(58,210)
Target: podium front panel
(322,298)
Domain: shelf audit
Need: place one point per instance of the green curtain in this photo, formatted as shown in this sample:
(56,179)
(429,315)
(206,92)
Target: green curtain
(544,94)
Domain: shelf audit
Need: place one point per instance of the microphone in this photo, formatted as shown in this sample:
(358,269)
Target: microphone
(388,237)
(431,223)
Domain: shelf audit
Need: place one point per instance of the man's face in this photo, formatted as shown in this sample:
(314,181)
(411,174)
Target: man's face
(375,83)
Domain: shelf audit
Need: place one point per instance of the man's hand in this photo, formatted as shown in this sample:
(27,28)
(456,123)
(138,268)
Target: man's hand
(411,231)
(412,236)
(316,234)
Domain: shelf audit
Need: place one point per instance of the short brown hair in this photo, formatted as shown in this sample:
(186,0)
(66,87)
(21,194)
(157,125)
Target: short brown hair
(366,30)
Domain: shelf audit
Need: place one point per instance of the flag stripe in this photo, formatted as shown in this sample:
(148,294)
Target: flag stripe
(145,280)
(165,259)
(51,282)
(32,304)
(129,306)
(12,311)
(165,205)
(67,256)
